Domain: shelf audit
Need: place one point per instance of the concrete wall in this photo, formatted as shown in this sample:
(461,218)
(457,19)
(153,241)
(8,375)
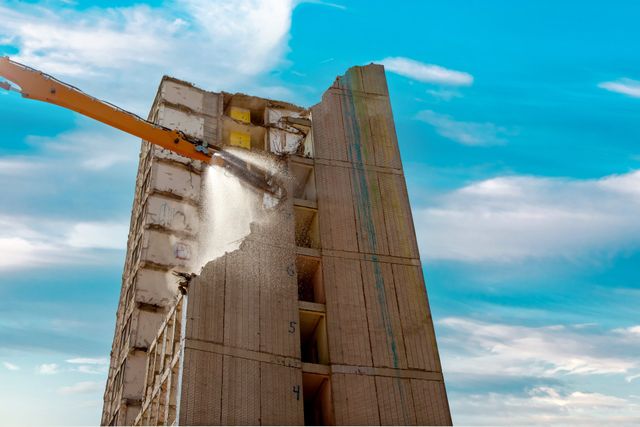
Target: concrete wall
(162,238)
(384,361)
(241,335)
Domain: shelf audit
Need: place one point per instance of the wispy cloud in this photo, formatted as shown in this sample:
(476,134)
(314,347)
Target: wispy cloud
(88,361)
(473,347)
(99,235)
(89,365)
(632,378)
(48,369)
(632,332)
(20,252)
(119,51)
(81,388)
(17,166)
(325,3)
(10,366)
(624,86)
(511,218)
(545,406)
(50,180)
(91,369)
(428,73)
(444,94)
(93,147)
(55,242)
(466,133)
(521,374)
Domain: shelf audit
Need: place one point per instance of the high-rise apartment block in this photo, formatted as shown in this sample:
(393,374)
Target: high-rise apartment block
(320,316)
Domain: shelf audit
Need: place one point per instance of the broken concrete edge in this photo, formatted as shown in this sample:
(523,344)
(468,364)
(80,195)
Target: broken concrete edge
(270,103)
(342,82)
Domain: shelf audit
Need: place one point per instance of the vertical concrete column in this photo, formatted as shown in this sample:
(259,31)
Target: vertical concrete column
(384,359)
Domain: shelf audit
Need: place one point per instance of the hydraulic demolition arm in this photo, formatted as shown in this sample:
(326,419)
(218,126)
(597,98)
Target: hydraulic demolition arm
(34,84)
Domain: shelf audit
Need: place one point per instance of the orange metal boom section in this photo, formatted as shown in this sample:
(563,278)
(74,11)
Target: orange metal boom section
(40,86)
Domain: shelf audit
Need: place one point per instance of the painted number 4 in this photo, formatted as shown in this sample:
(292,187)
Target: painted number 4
(296,390)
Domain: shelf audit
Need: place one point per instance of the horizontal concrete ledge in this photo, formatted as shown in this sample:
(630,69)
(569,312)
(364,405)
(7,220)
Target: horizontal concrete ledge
(308,252)
(189,167)
(312,306)
(180,107)
(360,166)
(241,353)
(173,196)
(311,367)
(356,92)
(371,257)
(304,203)
(387,372)
(302,160)
(314,368)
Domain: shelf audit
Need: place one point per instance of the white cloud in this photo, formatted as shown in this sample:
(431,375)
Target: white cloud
(15,166)
(444,94)
(10,366)
(466,133)
(101,235)
(545,406)
(94,148)
(635,330)
(81,388)
(89,360)
(90,365)
(480,348)
(325,3)
(17,251)
(624,86)
(550,374)
(48,369)
(28,242)
(511,218)
(121,52)
(91,369)
(428,73)
(630,335)
(632,378)
(249,36)
(89,159)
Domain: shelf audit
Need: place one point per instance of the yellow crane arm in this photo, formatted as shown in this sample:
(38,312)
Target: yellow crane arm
(37,85)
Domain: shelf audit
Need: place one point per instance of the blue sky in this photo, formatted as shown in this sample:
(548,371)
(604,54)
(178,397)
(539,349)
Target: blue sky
(517,124)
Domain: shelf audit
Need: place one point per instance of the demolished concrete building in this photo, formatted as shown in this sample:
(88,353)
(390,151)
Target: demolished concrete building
(319,316)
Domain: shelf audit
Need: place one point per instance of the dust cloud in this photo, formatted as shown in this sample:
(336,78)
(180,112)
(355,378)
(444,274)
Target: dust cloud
(229,207)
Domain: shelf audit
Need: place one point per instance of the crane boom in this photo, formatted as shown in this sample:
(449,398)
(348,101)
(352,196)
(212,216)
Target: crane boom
(43,87)
(37,85)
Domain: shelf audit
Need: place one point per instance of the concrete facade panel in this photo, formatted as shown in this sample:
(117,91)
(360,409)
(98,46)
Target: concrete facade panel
(184,95)
(177,181)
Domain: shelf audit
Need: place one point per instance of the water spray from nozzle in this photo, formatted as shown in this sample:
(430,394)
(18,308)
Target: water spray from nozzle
(251,170)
